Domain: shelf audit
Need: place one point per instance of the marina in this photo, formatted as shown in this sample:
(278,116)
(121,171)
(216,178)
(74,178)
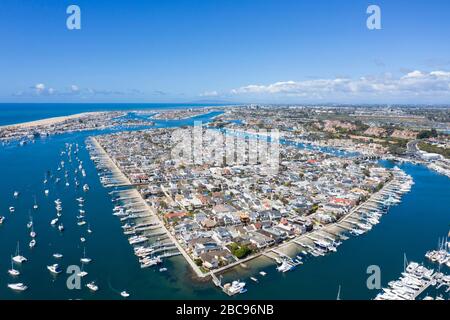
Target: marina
(417,282)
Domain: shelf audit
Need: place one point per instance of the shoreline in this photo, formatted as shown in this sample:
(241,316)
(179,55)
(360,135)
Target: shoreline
(132,188)
(48,121)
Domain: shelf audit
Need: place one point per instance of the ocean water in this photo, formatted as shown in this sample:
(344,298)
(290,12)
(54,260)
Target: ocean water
(411,228)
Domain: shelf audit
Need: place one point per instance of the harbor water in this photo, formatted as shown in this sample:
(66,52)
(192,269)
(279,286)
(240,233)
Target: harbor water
(410,228)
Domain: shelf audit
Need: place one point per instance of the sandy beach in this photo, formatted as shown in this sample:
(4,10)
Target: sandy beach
(49,121)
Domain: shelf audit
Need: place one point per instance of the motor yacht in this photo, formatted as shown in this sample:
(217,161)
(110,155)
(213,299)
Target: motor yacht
(54,268)
(92,286)
(17,286)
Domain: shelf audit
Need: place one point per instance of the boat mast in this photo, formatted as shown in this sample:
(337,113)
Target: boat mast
(405,262)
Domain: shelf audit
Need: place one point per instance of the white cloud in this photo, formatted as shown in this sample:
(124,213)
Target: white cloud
(209,94)
(41,89)
(40,86)
(418,83)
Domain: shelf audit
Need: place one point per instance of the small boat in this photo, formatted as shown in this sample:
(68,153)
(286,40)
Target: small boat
(162,269)
(54,222)
(18,258)
(57,255)
(16,194)
(12,209)
(30,223)
(124,294)
(17,286)
(32,233)
(13,271)
(85,188)
(89,230)
(82,274)
(263,273)
(35,206)
(54,268)
(85,259)
(92,286)
(235,287)
(81,222)
(254,279)
(61,227)
(82,239)
(46,192)
(32,243)
(2,219)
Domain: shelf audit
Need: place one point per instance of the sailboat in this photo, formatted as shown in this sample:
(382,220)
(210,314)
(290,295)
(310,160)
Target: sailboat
(82,273)
(30,223)
(85,259)
(18,258)
(35,206)
(32,233)
(13,271)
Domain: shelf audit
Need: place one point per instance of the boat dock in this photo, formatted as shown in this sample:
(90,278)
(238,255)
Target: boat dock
(113,176)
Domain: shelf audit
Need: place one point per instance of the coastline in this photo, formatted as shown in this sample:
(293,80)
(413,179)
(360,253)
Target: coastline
(48,121)
(115,168)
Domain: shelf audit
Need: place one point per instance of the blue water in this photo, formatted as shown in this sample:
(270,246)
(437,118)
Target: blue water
(11,113)
(413,227)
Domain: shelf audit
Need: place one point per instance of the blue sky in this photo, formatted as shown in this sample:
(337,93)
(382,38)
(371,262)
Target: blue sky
(233,50)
